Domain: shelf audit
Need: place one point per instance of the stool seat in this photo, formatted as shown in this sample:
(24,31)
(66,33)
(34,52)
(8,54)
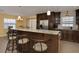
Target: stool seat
(23,41)
(12,37)
(40,47)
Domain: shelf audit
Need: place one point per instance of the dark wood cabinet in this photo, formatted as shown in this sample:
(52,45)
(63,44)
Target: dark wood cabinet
(51,41)
(66,35)
(42,16)
(57,17)
(70,35)
(75,36)
(53,19)
(77,16)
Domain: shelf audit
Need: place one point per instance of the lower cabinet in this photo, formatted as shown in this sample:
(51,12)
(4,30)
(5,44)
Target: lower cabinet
(70,35)
(75,36)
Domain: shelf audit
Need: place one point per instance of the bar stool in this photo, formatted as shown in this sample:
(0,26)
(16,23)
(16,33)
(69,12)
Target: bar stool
(40,46)
(22,44)
(12,36)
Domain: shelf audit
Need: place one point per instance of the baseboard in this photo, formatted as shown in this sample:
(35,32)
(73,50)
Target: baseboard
(4,35)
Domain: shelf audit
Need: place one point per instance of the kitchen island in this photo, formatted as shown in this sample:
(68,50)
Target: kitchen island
(50,37)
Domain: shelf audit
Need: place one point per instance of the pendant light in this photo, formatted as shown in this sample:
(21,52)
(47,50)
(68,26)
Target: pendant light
(48,13)
(67,13)
(19,18)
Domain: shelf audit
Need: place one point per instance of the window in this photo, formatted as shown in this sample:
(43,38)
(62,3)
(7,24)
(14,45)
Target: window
(67,21)
(9,22)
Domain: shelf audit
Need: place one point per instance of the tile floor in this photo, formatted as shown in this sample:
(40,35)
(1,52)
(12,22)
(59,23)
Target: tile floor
(69,47)
(3,44)
(65,46)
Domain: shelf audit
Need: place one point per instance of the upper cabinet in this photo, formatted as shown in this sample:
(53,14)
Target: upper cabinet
(42,16)
(77,16)
(53,19)
(57,17)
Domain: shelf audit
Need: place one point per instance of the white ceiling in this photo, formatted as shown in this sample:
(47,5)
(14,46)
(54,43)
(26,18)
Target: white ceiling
(33,10)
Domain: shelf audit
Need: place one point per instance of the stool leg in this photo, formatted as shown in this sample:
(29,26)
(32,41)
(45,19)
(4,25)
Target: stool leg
(7,46)
(22,46)
(12,45)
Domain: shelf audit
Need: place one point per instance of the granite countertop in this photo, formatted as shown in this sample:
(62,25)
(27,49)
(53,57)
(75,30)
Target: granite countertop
(53,32)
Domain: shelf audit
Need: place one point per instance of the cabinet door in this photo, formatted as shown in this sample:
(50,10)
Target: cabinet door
(66,35)
(76,36)
(62,35)
(77,16)
(57,17)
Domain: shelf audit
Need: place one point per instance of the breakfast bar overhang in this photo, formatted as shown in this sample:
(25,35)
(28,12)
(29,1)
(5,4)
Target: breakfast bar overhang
(50,37)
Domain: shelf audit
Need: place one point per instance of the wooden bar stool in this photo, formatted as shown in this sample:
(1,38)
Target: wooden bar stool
(40,46)
(22,44)
(12,36)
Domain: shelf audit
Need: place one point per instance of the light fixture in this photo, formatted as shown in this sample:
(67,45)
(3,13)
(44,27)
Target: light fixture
(19,18)
(48,13)
(67,13)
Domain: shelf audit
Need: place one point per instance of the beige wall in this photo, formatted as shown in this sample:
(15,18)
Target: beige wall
(18,23)
(1,25)
(22,23)
(28,18)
